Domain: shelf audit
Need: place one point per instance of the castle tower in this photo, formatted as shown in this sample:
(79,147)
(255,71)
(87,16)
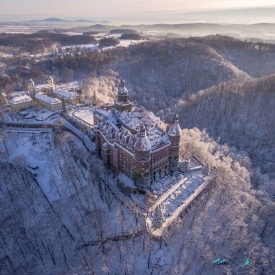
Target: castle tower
(123,104)
(122,93)
(174,133)
(142,148)
(51,82)
(31,87)
(3,100)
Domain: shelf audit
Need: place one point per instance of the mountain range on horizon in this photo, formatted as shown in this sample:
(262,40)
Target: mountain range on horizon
(238,15)
(56,19)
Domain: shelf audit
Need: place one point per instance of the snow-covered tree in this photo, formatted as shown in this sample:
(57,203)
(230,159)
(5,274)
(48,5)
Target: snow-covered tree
(158,217)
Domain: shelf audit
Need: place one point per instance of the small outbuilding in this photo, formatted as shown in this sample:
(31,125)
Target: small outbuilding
(126,185)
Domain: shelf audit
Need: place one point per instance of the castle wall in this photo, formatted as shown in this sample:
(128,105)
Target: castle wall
(150,166)
(142,158)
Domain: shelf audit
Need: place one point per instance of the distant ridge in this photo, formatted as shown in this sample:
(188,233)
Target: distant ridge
(52,19)
(83,20)
(56,19)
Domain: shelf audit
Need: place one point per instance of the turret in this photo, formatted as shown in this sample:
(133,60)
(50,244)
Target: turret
(122,103)
(31,87)
(51,82)
(142,145)
(174,133)
(142,149)
(122,93)
(3,100)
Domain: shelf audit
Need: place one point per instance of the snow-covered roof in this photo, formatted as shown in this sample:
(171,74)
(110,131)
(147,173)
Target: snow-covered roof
(85,115)
(126,180)
(47,99)
(103,112)
(174,129)
(153,140)
(177,198)
(43,86)
(66,94)
(20,99)
(18,93)
(70,85)
(122,89)
(142,143)
(137,117)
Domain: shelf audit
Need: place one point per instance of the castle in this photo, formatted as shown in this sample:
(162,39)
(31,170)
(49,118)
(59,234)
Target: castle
(131,141)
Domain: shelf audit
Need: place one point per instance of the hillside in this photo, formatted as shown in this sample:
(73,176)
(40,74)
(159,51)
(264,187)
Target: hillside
(58,215)
(196,78)
(241,115)
(256,59)
(171,69)
(40,42)
(64,220)
(260,30)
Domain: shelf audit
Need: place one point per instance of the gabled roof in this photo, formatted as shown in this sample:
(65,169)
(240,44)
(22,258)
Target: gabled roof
(47,99)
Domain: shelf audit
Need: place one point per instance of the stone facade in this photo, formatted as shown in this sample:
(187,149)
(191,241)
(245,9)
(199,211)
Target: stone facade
(130,141)
(21,102)
(52,104)
(69,97)
(46,88)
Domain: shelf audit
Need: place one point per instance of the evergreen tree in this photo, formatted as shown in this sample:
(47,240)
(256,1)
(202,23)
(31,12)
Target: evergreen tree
(158,218)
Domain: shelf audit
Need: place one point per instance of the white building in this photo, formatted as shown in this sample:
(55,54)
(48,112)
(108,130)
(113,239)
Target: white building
(21,102)
(3,100)
(52,104)
(74,86)
(70,97)
(46,88)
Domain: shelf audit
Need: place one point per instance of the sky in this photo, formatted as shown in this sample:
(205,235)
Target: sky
(108,9)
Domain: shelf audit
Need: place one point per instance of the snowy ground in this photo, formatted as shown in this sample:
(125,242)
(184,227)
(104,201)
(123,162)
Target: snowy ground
(51,237)
(34,147)
(94,47)
(86,115)
(32,116)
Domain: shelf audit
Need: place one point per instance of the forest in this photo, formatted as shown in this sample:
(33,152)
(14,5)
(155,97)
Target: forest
(200,78)
(64,220)
(41,42)
(223,90)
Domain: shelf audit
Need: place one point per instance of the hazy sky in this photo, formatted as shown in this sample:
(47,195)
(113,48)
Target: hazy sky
(105,9)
